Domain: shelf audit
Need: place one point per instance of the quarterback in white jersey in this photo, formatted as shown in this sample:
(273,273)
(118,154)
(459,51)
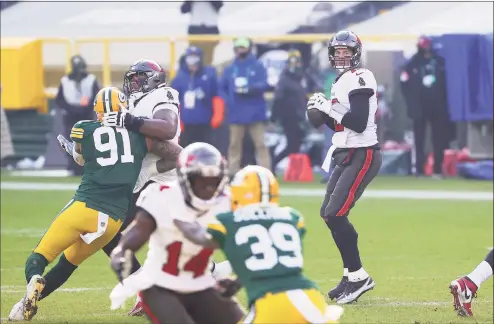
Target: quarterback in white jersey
(154,112)
(175,282)
(355,154)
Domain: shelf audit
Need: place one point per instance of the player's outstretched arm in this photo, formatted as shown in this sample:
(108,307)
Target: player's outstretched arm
(197,234)
(168,151)
(163,126)
(132,240)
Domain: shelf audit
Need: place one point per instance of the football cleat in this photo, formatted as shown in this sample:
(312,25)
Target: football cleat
(138,309)
(34,289)
(463,290)
(354,290)
(338,290)
(17,312)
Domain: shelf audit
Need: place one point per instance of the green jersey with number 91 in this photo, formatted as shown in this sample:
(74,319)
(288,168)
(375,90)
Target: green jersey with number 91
(113,158)
(264,247)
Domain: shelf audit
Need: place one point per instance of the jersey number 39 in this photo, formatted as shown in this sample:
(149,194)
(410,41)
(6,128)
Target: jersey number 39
(111,146)
(281,236)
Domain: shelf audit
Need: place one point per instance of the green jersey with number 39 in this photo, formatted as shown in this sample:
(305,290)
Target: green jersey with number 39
(264,247)
(113,158)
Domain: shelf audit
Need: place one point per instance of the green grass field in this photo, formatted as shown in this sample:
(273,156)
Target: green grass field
(412,248)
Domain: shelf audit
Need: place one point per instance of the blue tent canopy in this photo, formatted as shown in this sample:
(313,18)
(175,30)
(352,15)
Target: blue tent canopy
(469,69)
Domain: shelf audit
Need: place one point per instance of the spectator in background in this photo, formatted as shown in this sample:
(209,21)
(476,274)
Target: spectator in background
(7,148)
(204,21)
(424,88)
(289,105)
(75,97)
(242,86)
(201,109)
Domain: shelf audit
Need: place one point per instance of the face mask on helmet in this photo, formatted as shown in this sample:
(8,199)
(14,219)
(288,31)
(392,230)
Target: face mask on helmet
(342,58)
(202,174)
(135,82)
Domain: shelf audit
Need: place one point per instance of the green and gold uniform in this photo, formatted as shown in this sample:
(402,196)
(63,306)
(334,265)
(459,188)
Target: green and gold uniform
(264,248)
(113,158)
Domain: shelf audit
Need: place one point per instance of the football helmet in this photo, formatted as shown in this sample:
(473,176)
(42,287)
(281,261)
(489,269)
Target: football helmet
(202,173)
(109,99)
(349,40)
(254,185)
(144,76)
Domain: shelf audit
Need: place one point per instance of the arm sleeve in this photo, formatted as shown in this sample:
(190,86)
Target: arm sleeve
(77,132)
(331,123)
(357,118)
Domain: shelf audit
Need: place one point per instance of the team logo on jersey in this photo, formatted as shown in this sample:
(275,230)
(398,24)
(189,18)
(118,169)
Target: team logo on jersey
(170,96)
(361,82)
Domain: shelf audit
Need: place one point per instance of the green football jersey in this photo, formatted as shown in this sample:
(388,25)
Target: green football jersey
(113,158)
(264,247)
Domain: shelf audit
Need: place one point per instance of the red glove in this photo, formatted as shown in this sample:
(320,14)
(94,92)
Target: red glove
(218,112)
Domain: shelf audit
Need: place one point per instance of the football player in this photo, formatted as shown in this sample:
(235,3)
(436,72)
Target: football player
(464,289)
(263,243)
(175,283)
(112,159)
(355,154)
(154,112)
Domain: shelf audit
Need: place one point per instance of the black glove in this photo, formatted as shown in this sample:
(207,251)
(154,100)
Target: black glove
(228,287)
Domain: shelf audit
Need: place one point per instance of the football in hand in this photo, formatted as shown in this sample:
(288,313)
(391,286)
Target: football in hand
(317,117)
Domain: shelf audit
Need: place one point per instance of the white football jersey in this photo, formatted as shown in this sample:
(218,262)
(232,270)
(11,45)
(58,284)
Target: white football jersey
(173,262)
(345,84)
(162,97)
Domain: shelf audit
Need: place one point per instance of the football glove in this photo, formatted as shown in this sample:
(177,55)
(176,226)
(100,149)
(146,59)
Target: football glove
(228,287)
(121,262)
(124,119)
(66,145)
(318,101)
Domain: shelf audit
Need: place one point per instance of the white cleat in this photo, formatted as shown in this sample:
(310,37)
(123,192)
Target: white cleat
(354,290)
(17,312)
(34,289)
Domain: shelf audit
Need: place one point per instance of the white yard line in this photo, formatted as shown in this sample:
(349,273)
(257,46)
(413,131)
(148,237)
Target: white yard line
(22,289)
(292,192)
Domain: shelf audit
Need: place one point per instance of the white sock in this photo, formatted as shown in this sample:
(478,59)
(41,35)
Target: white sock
(138,298)
(482,272)
(346,272)
(358,275)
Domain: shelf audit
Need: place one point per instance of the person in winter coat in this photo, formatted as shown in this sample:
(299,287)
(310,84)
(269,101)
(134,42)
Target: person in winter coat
(75,97)
(289,105)
(242,86)
(424,88)
(202,110)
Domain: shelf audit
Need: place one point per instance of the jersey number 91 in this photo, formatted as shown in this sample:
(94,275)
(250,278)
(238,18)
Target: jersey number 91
(281,236)
(111,146)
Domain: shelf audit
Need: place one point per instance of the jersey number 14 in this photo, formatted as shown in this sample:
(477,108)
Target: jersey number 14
(111,146)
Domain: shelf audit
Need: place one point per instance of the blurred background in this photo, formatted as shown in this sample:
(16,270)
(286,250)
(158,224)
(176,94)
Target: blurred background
(433,62)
